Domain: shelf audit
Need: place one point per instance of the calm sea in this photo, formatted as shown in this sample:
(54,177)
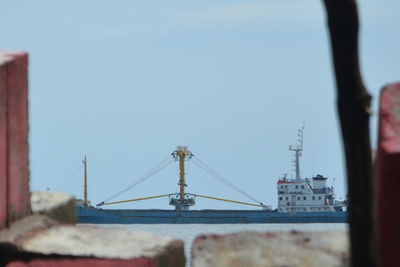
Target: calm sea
(188,232)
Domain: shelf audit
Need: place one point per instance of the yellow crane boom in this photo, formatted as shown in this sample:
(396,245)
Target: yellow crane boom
(229,200)
(135,199)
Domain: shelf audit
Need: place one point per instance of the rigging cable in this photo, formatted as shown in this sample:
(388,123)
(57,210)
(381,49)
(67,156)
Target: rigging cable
(66,179)
(223,180)
(164,163)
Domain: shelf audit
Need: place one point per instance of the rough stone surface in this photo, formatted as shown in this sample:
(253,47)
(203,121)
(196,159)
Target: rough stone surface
(12,237)
(58,206)
(97,242)
(25,228)
(272,249)
(38,237)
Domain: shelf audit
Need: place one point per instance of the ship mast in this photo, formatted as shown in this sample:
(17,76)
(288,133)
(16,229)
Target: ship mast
(85,184)
(182,154)
(297,149)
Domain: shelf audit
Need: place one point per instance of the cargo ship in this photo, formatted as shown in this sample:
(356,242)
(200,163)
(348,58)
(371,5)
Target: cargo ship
(300,200)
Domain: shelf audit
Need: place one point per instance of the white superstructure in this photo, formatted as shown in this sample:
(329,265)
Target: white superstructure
(308,194)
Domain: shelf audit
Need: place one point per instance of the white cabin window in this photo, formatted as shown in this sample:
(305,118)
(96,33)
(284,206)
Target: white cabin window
(313,198)
(297,186)
(298,198)
(280,198)
(319,198)
(305,198)
(287,198)
(302,187)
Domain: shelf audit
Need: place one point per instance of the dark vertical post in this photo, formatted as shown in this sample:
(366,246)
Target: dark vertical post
(387,176)
(354,110)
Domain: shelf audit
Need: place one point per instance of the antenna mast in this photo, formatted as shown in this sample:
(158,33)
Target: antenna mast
(297,149)
(85,184)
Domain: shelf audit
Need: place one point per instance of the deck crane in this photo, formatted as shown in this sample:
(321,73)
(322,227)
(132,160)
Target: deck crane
(182,200)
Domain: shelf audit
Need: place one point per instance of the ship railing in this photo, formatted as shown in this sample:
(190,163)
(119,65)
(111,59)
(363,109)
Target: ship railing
(308,206)
(287,180)
(342,203)
(293,192)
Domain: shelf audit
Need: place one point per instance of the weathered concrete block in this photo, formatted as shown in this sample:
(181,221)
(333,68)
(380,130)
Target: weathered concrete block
(14,170)
(58,206)
(38,237)
(90,241)
(271,249)
(387,174)
(11,238)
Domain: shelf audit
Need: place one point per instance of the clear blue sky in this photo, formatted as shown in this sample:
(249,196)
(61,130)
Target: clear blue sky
(124,82)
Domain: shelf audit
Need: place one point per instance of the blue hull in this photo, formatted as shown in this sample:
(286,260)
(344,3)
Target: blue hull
(154,216)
